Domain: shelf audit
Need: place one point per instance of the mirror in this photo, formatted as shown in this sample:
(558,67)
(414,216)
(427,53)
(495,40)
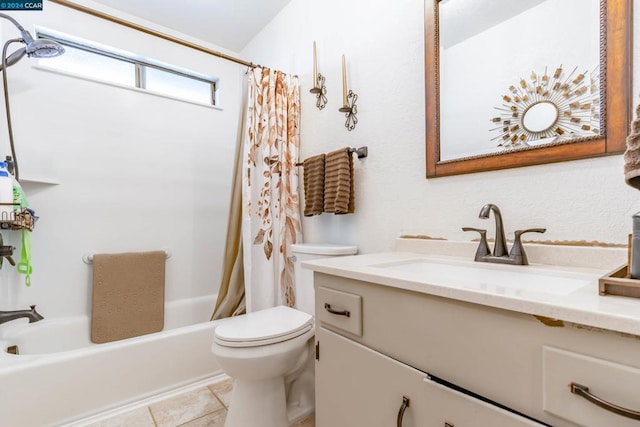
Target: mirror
(540,117)
(504,89)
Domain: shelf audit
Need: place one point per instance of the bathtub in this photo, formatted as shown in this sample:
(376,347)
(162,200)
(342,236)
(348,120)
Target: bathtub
(60,376)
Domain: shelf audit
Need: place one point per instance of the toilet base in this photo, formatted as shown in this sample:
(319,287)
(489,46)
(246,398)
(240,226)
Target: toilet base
(272,403)
(260,403)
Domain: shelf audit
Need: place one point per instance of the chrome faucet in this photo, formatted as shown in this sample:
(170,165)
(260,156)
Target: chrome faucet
(32,315)
(517,256)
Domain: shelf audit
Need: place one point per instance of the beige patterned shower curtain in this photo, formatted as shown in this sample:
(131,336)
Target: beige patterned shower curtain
(271,214)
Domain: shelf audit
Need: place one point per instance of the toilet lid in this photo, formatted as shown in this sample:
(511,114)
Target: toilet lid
(263,327)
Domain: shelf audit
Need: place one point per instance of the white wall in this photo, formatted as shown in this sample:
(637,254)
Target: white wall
(384,45)
(137,171)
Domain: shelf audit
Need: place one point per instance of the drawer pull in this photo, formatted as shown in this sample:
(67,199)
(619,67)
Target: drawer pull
(327,307)
(403,407)
(583,391)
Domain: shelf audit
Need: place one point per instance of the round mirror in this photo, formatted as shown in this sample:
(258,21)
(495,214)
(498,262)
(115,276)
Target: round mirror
(540,116)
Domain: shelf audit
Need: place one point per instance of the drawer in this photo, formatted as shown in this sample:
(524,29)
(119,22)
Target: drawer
(612,382)
(340,309)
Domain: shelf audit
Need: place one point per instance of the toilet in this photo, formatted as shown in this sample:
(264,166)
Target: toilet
(270,355)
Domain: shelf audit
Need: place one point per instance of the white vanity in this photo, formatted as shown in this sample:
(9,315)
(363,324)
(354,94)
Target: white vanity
(433,339)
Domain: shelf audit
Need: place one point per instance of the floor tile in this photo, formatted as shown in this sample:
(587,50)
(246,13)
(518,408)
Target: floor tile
(215,419)
(185,407)
(310,421)
(223,390)
(140,417)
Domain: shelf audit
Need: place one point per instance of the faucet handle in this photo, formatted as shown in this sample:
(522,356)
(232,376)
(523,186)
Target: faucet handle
(483,247)
(517,250)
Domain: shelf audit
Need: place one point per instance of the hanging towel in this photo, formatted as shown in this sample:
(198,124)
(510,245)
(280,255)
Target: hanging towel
(314,185)
(128,295)
(339,196)
(632,154)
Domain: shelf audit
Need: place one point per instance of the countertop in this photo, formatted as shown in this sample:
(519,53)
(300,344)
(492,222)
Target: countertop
(582,306)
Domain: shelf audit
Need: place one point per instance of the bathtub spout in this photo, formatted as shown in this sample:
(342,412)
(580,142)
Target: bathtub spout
(32,315)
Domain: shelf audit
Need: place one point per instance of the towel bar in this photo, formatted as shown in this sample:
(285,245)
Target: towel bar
(361,152)
(88,257)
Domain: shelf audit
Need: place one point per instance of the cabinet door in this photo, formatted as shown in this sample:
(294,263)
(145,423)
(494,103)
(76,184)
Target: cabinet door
(359,387)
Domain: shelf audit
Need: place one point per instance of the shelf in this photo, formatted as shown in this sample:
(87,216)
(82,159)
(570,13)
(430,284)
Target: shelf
(39,180)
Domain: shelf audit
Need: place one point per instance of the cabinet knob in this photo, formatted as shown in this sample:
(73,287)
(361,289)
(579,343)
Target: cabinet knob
(403,407)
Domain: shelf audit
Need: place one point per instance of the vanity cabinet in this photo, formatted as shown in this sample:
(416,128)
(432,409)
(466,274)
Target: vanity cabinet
(460,364)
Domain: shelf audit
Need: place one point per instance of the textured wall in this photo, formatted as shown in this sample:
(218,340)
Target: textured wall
(136,171)
(384,45)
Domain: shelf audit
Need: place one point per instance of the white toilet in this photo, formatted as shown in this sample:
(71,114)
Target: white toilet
(269,353)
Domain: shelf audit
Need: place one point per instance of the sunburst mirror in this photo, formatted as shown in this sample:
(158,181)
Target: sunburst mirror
(548,108)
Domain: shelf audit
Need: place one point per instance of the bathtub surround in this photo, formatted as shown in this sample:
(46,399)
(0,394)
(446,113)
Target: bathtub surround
(578,200)
(111,169)
(271,211)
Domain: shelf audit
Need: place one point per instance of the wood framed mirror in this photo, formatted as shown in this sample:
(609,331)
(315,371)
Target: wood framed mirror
(493,93)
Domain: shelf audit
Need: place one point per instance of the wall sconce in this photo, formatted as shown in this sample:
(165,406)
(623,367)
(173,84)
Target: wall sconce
(349,99)
(318,83)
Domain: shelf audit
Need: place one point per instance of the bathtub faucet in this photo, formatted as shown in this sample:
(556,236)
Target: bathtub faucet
(32,315)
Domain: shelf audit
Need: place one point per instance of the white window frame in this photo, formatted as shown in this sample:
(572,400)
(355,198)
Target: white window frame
(139,63)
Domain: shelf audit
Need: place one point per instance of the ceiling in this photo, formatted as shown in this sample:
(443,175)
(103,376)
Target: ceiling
(230,24)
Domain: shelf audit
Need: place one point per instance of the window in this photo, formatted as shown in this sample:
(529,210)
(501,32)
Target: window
(114,66)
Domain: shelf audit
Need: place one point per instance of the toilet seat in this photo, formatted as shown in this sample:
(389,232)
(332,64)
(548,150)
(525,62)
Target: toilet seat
(264,327)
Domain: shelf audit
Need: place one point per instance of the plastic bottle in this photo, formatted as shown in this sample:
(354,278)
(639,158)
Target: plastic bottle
(6,194)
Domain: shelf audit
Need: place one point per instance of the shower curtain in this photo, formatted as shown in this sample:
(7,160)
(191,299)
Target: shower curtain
(231,299)
(270,202)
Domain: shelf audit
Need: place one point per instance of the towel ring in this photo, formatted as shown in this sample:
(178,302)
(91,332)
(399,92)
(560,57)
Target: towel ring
(88,257)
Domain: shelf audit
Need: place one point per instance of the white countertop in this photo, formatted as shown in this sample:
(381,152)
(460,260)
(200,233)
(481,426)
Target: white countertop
(581,306)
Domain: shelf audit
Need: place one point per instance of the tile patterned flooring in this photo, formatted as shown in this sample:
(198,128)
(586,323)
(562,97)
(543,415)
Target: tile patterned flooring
(203,407)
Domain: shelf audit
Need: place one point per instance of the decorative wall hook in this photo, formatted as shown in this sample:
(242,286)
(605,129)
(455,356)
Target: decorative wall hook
(318,83)
(349,106)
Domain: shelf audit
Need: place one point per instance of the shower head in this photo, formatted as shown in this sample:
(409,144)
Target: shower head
(44,48)
(40,48)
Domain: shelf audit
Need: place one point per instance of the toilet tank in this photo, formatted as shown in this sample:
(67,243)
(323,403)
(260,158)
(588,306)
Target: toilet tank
(303,277)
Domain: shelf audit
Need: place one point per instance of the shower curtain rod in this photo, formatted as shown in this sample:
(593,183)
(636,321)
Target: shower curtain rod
(151,32)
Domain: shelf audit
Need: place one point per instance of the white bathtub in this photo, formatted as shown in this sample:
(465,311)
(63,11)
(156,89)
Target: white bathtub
(60,376)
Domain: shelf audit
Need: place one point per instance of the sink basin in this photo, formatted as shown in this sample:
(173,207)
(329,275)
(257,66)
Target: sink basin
(505,280)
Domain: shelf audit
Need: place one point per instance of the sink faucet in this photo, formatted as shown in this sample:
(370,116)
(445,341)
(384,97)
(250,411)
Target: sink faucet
(500,246)
(517,256)
(32,315)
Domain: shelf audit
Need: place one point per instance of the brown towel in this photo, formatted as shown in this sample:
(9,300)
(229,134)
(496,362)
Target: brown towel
(313,185)
(632,155)
(339,196)
(128,295)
